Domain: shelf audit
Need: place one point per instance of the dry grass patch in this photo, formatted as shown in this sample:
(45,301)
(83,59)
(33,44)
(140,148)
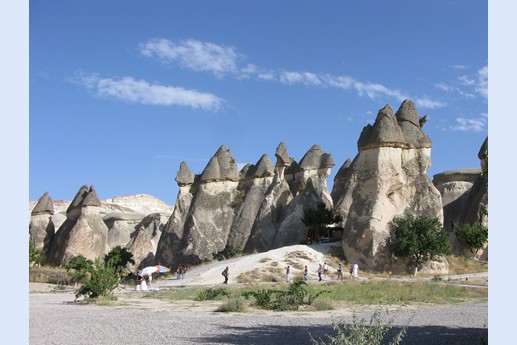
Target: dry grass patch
(271,274)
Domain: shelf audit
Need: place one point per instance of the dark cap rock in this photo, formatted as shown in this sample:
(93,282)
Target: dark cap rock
(44,205)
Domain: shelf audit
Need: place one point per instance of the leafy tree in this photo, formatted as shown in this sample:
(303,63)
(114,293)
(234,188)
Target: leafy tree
(419,239)
(79,266)
(474,235)
(317,218)
(119,257)
(99,277)
(100,280)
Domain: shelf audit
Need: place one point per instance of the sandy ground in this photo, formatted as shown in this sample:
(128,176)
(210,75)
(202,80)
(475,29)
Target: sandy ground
(55,318)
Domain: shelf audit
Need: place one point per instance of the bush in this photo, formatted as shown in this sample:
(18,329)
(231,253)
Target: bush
(98,280)
(360,332)
(227,253)
(280,300)
(212,294)
(238,305)
(474,235)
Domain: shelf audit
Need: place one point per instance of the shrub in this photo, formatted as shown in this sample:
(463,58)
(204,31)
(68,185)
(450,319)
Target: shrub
(360,332)
(281,300)
(227,253)
(212,294)
(474,235)
(238,305)
(98,280)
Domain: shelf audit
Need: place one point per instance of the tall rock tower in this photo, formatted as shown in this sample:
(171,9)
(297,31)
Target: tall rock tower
(83,232)
(387,179)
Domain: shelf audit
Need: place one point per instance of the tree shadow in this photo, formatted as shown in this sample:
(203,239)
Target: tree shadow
(299,335)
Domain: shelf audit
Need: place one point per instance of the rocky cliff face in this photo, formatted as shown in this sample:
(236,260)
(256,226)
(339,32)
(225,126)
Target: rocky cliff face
(83,232)
(260,207)
(41,226)
(249,210)
(84,219)
(387,178)
(465,201)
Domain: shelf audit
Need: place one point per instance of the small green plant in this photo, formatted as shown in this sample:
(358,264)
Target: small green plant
(237,305)
(211,294)
(361,332)
(282,300)
(35,255)
(237,201)
(227,253)
(474,235)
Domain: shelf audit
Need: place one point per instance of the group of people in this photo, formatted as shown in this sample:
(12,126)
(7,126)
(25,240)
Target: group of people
(180,272)
(323,271)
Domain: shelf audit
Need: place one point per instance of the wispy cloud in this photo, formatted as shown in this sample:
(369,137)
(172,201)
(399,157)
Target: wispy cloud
(429,103)
(459,67)
(193,54)
(468,85)
(305,78)
(482,82)
(140,91)
(224,60)
(478,124)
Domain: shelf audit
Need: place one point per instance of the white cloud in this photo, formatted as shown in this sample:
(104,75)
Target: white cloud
(373,90)
(445,87)
(139,91)
(429,103)
(471,124)
(482,84)
(193,54)
(305,78)
(459,67)
(266,76)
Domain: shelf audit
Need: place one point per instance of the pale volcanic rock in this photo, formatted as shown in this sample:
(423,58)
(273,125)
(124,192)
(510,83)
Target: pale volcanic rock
(41,226)
(385,180)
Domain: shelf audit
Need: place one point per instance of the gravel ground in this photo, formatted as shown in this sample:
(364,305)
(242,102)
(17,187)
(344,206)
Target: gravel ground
(54,318)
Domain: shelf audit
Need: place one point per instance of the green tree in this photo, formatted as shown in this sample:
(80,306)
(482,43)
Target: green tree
(317,219)
(99,277)
(100,280)
(419,239)
(474,235)
(119,257)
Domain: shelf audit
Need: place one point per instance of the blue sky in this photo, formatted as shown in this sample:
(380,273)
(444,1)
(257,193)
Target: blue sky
(121,93)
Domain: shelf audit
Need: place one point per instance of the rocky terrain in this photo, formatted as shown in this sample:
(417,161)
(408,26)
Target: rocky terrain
(260,207)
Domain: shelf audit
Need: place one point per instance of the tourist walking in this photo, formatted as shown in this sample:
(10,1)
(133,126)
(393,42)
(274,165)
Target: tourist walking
(325,270)
(320,272)
(355,271)
(226,273)
(340,272)
(288,273)
(305,274)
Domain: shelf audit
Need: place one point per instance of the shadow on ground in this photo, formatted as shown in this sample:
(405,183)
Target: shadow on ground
(286,335)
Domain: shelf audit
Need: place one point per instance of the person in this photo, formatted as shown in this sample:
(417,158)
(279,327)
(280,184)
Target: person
(351,270)
(178,271)
(320,272)
(340,272)
(226,273)
(325,270)
(305,274)
(288,273)
(355,271)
